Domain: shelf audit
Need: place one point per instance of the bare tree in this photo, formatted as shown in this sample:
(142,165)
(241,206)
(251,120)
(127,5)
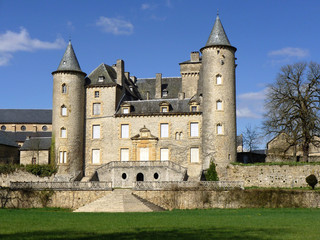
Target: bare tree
(292,105)
(251,138)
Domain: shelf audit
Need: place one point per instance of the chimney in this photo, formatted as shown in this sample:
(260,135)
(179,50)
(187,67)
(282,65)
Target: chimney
(134,79)
(148,95)
(120,71)
(181,95)
(127,75)
(158,85)
(195,57)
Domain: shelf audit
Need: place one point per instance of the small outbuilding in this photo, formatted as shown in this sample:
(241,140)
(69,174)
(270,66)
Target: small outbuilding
(35,150)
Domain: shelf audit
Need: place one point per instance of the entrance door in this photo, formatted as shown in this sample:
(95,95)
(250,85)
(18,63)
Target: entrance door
(144,154)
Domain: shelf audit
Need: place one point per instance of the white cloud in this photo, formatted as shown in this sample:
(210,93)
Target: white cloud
(115,26)
(251,104)
(290,52)
(148,6)
(11,42)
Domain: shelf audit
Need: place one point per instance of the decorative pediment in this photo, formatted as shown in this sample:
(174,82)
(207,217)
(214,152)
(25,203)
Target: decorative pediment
(144,134)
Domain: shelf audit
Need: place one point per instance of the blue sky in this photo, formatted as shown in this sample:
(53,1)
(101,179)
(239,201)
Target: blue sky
(151,37)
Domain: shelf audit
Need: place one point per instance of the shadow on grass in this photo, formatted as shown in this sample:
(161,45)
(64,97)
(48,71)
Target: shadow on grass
(185,234)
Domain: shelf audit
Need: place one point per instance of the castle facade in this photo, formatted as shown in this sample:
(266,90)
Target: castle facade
(111,126)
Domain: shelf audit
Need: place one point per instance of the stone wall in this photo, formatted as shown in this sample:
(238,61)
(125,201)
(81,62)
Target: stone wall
(21,176)
(251,198)
(270,176)
(38,199)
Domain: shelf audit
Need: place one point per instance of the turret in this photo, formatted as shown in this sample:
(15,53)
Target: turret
(68,114)
(217,88)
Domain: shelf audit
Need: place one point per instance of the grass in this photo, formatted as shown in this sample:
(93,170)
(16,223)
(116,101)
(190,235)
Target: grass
(222,224)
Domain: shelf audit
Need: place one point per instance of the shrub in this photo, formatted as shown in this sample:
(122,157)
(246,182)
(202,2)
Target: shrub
(312,180)
(8,168)
(211,174)
(41,170)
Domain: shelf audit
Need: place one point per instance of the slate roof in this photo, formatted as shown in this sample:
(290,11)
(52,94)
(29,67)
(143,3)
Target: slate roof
(218,35)
(22,136)
(6,139)
(105,71)
(150,107)
(36,143)
(172,84)
(69,61)
(40,116)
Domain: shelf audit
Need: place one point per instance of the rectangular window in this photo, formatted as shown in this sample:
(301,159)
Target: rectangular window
(219,129)
(95,131)
(96,109)
(96,94)
(124,130)
(194,129)
(194,155)
(124,154)
(95,156)
(125,110)
(164,154)
(164,130)
(164,109)
(219,80)
(63,111)
(194,108)
(63,133)
(62,157)
(219,105)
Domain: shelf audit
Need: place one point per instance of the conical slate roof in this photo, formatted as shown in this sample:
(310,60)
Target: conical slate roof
(69,60)
(218,35)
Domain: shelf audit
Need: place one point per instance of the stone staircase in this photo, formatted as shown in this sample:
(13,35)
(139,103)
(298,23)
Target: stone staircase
(119,200)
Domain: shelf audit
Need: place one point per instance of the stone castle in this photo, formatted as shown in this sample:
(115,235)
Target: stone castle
(114,127)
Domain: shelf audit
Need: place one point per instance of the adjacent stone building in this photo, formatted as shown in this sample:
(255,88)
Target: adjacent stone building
(108,125)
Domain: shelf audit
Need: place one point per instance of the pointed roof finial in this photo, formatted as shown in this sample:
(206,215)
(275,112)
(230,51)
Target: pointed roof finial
(69,60)
(218,35)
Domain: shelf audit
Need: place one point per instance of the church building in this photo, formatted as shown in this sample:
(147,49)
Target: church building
(110,126)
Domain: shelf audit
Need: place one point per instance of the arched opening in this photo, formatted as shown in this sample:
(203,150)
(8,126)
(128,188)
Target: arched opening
(140,177)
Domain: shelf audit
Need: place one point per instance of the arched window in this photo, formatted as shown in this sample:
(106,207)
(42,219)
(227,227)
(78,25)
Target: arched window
(63,132)
(64,88)
(218,79)
(63,110)
(219,129)
(219,105)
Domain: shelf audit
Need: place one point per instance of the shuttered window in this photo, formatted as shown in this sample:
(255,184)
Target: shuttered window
(164,154)
(96,131)
(96,109)
(95,156)
(124,130)
(124,154)
(194,129)
(194,155)
(164,130)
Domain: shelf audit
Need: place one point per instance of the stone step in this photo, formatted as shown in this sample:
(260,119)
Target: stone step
(119,200)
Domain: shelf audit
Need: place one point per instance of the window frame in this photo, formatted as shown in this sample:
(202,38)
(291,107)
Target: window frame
(98,132)
(167,135)
(63,132)
(194,158)
(94,113)
(191,130)
(218,80)
(121,154)
(93,155)
(124,134)
(62,157)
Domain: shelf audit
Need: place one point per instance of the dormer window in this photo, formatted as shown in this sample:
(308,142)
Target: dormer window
(194,106)
(164,92)
(125,108)
(164,107)
(101,79)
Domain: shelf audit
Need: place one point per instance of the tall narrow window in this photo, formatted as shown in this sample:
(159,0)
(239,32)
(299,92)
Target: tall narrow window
(164,154)
(219,105)
(63,110)
(194,129)
(63,132)
(95,156)
(218,80)
(124,154)
(124,130)
(64,88)
(62,157)
(164,130)
(194,155)
(95,131)
(96,109)
(219,129)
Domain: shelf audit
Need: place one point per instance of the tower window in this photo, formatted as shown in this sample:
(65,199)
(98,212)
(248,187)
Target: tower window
(96,94)
(63,110)
(219,105)
(96,131)
(63,132)
(101,78)
(64,88)
(62,157)
(219,129)
(218,80)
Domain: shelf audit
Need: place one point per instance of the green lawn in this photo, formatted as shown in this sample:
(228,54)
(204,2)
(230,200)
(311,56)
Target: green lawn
(179,224)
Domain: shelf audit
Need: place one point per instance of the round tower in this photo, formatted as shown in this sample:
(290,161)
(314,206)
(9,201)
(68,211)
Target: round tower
(68,107)
(217,77)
